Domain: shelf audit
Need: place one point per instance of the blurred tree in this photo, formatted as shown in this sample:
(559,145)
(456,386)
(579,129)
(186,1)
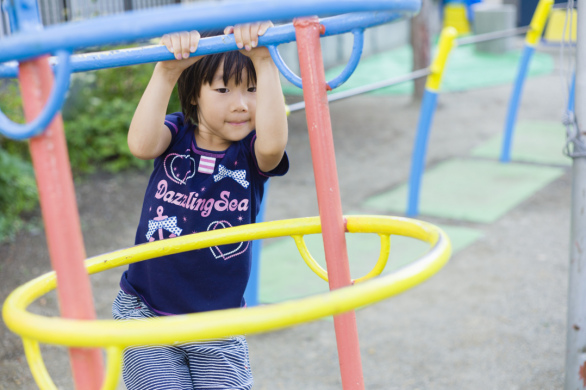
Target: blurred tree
(421,44)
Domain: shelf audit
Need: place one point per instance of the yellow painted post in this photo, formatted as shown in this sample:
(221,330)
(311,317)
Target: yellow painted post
(538,22)
(455,15)
(445,45)
(561,28)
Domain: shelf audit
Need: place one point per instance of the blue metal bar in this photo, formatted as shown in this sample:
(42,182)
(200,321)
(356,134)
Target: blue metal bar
(210,45)
(283,68)
(428,107)
(277,35)
(336,82)
(353,62)
(251,294)
(18,131)
(136,25)
(514,103)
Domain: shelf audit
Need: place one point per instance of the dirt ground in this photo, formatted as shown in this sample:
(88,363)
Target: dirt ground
(493,318)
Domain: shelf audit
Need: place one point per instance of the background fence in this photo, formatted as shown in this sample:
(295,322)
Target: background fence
(60,11)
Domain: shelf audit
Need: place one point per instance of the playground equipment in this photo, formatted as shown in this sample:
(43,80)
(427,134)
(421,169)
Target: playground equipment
(559,29)
(116,335)
(419,73)
(78,329)
(575,376)
(456,16)
(430,102)
(426,116)
(532,39)
(576,323)
(435,72)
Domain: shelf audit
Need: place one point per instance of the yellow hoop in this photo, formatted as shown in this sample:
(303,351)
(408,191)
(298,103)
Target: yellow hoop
(116,335)
(385,244)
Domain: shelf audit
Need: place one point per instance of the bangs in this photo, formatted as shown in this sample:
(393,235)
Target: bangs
(203,72)
(234,65)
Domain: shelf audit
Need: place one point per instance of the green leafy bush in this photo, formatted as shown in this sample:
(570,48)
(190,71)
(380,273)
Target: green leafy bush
(11,105)
(18,194)
(96,115)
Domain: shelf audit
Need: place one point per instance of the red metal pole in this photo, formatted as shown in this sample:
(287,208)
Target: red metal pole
(59,209)
(307,31)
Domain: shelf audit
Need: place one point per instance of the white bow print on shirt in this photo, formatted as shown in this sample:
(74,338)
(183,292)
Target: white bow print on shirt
(239,176)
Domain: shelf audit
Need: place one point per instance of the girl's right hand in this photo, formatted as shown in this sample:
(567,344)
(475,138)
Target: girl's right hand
(181,44)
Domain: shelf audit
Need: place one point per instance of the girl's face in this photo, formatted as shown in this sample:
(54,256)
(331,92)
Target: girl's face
(226,113)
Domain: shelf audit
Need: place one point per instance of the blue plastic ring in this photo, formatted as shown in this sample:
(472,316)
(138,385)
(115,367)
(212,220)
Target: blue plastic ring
(19,131)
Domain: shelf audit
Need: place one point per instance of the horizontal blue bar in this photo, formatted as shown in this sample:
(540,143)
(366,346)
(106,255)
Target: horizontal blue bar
(277,35)
(150,23)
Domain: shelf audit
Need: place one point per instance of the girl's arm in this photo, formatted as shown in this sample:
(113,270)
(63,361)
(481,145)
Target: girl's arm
(148,137)
(271,117)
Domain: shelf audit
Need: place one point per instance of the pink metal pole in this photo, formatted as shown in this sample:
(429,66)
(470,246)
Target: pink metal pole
(307,31)
(59,209)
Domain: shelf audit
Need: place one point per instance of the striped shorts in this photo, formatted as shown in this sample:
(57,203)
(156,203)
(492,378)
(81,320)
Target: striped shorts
(220,364)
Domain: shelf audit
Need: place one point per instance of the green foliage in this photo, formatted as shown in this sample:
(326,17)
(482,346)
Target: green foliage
(96,115)
(11,105)
(18,194)
(11,100)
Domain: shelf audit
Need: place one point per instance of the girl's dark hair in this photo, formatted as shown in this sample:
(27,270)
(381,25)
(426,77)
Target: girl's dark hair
(203,71)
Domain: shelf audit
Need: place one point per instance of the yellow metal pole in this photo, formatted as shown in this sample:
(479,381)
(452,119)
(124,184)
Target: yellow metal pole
(447,42)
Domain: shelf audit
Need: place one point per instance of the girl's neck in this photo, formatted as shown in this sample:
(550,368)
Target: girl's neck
(211,142)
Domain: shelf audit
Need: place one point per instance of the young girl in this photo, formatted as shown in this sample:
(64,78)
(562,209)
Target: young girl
(211,162)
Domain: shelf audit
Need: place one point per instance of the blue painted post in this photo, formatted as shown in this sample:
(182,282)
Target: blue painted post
(428,107)
(251,294)
(514,103)
(571,98)
(531,40)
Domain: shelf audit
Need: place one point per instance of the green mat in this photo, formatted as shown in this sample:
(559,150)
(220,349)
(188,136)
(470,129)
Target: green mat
(470,190)
(284,275)
(537,142)
(466,69)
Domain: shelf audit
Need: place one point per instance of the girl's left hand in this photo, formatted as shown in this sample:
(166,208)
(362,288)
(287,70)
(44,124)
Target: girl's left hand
(246,37)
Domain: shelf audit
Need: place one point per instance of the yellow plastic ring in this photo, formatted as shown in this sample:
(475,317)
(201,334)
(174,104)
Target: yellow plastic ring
(101,333)
(115,335)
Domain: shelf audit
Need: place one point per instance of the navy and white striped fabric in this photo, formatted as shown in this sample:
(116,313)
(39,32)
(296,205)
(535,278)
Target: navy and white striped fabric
(221,364)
